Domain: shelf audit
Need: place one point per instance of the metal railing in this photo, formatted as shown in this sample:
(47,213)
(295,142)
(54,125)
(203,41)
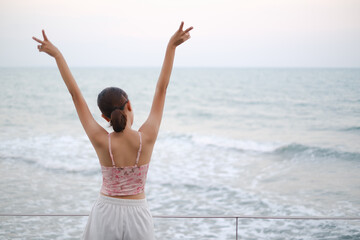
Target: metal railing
(236,217)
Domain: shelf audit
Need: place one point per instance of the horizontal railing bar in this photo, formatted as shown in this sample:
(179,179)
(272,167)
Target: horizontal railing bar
(43,215)
(195,216)
(261,217)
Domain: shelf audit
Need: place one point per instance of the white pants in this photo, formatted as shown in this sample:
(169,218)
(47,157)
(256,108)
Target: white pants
(114,218)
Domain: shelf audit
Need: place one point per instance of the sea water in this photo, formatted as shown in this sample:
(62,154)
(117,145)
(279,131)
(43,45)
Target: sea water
(271,142)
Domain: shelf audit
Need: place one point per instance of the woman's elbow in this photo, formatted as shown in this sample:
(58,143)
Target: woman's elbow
(161,88)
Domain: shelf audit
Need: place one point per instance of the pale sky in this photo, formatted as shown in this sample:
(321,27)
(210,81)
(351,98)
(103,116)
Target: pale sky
(227,33)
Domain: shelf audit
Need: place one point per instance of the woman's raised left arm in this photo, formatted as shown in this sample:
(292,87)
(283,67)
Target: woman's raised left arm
(92,128)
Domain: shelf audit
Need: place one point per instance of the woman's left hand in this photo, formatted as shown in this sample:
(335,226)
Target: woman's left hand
(46,46)
(180,36)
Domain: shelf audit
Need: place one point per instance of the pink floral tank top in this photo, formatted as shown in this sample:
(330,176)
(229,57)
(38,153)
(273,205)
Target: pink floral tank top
(123,181)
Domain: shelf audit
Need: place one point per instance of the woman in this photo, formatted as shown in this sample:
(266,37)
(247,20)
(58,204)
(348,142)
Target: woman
(121,211)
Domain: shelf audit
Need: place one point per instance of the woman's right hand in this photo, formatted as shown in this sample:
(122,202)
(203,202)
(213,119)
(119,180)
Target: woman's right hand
(47,47)
(180,36)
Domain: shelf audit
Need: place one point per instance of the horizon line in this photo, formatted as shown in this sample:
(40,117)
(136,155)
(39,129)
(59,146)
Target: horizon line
(224,67)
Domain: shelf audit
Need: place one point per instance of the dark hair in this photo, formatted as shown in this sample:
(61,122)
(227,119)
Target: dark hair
(112,102)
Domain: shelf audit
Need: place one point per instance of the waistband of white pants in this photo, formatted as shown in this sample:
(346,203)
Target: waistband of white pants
(123,202)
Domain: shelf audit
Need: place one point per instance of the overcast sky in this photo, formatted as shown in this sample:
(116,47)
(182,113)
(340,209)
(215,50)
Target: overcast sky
(227,33)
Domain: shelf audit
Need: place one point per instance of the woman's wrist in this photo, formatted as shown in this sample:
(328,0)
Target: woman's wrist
(171,45)
(58,55)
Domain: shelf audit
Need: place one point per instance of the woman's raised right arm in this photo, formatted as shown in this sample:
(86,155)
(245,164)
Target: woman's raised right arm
(92,128)
(152,124)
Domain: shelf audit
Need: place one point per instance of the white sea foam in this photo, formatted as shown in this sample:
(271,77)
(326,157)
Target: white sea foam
(57,153)
(241,145)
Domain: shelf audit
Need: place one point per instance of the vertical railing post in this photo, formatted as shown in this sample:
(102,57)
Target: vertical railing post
(237,219)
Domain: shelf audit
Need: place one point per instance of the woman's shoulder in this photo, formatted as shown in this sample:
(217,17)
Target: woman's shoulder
(146,138)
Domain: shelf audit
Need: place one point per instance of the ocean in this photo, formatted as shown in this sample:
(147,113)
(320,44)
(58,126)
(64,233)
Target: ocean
(233,141)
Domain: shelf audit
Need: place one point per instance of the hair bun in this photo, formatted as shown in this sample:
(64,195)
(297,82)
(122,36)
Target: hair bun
(118,120)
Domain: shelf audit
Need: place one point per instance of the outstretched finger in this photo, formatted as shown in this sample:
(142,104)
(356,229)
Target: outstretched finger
(44,35)
(188,30)
(38,40)
(181,26)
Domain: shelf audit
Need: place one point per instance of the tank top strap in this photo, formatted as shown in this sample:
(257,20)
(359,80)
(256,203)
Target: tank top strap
(111,156)
(138,154)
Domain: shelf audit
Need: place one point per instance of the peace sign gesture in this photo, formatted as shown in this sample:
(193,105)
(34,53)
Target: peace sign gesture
(47,46)
(180,36)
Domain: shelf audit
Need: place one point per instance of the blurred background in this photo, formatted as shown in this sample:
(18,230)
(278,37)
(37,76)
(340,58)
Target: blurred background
(261,117)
